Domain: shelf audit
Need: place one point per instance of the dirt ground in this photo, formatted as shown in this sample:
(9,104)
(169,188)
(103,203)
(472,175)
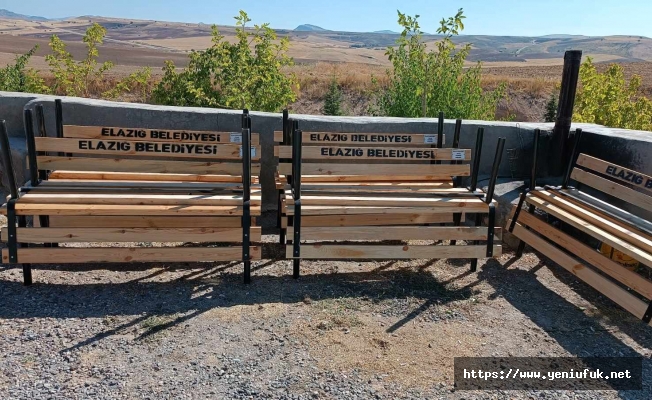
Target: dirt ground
(344,330)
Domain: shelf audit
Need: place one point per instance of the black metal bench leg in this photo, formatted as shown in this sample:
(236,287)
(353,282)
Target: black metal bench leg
(279,221)
(474,262)
(27,268)
(457,221)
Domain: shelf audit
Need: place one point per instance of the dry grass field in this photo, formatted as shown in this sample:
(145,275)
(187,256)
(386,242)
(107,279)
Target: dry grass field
(531,68)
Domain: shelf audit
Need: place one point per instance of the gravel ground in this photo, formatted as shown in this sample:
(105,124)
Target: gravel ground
(345,330)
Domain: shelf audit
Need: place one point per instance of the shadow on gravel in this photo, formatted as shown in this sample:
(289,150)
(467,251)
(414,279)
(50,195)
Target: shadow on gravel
(170,303)
(581,335)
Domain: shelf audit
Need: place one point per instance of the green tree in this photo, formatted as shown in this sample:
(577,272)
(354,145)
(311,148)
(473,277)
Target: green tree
(424,82)
(333,100)
(17,78)
(78,78)
(608,99)
(244,74)
(551,109)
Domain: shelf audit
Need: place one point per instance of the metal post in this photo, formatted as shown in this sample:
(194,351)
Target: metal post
(494,170)
(476,159)
(31,148)
(58,113)
(569,80)
(573,159)
(40,121)
(296,182)
(6,160)
(440,133)
(246,195)
(533,176)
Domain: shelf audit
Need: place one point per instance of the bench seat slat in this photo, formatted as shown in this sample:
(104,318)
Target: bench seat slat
(351,210)
(119,210)
(140,221)
(136,199)
(607,287)
(609,267)
(392,201)
(78,235)
(78,255)
(147,177)
(328,251)
(393,233)
(591,229)
(375,219)
(374,153)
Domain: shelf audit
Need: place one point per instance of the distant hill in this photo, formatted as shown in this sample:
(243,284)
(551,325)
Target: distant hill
(12,15)
(388,32)
(310,28)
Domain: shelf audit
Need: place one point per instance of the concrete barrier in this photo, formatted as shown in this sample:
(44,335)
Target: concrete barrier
(628,148)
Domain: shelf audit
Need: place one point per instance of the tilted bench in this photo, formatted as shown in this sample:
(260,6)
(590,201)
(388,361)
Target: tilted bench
(95,184)
(594,218)
(367,187)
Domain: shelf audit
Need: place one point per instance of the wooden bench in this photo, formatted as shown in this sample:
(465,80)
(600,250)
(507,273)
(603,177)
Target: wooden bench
(594,218)
(366,187)
(95,184)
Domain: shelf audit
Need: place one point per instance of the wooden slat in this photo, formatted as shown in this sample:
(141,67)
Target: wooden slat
(70,235)
(126,176)
(388,201)
(369,139)
(610,210)
(139,221)
(140,166)
(615,171)
(374,153)
(325,252)
(143,149)
(408,179)
(95,209)
(593,257)
(70,184)
(382,171)
(375,219)
(392,233)
(342,210)
(602,284)
(136,199)
(148,134)
(79,255)
(596,232)
(614,189)
(416,186)
(637,239)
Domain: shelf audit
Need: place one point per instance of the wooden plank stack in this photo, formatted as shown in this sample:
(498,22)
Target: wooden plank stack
(95,184)
(596,218)
(371,187)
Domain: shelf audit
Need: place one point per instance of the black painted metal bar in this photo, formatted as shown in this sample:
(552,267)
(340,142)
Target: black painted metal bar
(440,133)
(457,181)
(476,159)
(27,268)
(494,170)
(535,158)
(246,195)
(569,81)
(296,182)
(573,159)
(31,148)
(491,230)
(6,160)
(58,113)
(40,121)
(474,262)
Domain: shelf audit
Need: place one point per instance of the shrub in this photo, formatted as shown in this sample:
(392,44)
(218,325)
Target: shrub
(333,99)
(77,78)
(608,99)
(233,75)
(551,109)
(423,83)
(16,78)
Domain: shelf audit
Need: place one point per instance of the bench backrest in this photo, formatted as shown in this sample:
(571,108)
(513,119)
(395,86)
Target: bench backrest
(623,183)
(345,156)
(140,150)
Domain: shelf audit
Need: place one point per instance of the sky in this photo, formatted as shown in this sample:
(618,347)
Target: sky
(484,17)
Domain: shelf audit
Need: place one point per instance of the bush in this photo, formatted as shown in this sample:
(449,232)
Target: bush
(423,83)
(77,78)
(333,100)
(232,75)
(551,109)
(608,99)
(16,78)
